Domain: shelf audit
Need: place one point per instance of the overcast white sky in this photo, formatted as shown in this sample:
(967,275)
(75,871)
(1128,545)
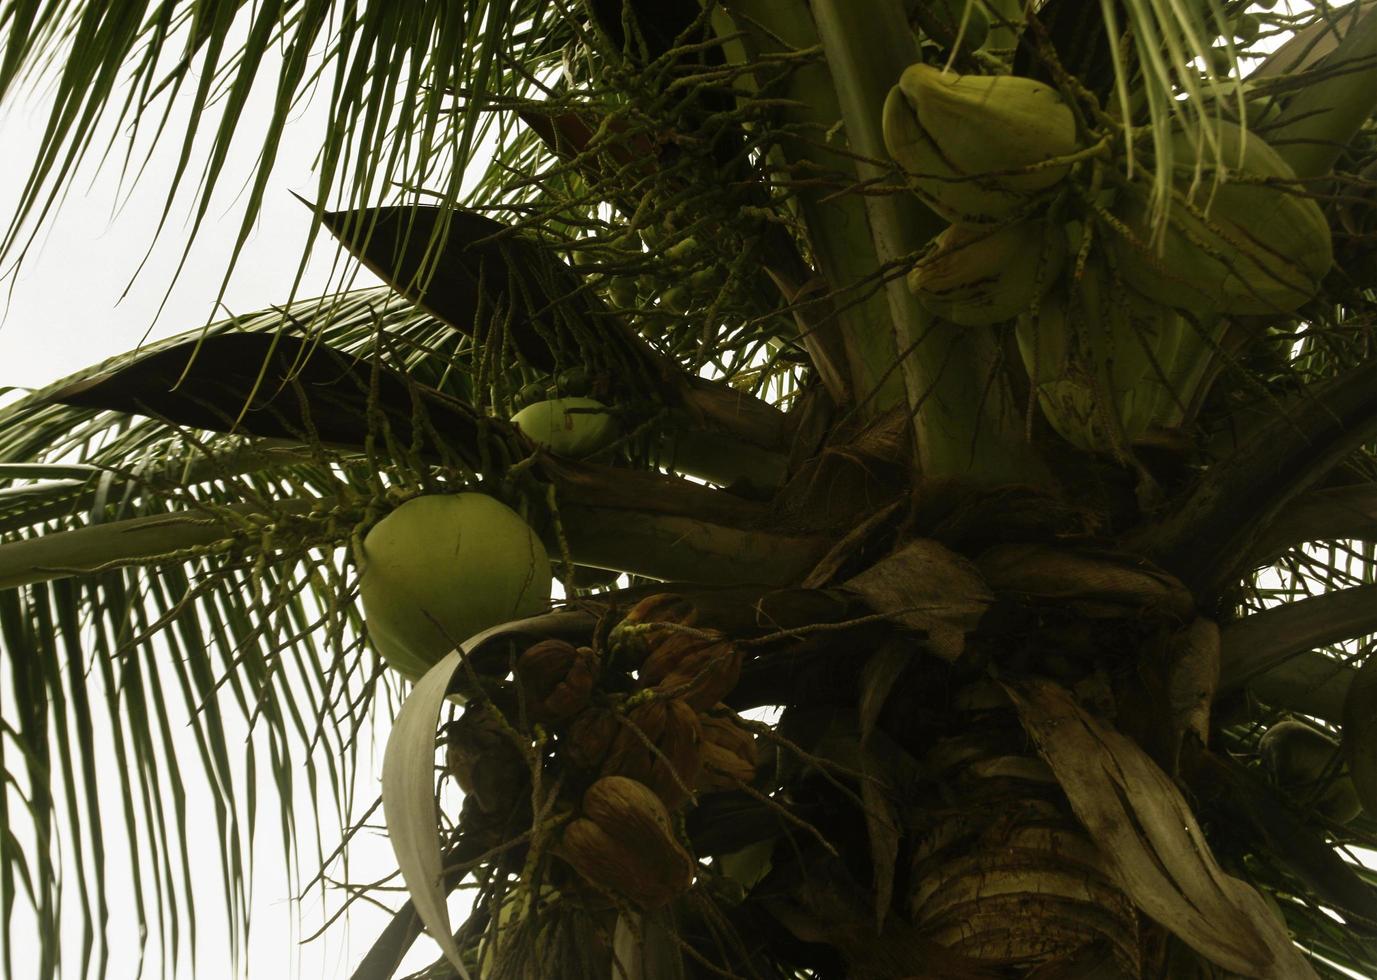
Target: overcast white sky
(66,309)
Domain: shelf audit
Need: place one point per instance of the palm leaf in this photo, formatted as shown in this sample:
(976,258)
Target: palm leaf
(224,643)
(471,271)
(284,388)
(649,143)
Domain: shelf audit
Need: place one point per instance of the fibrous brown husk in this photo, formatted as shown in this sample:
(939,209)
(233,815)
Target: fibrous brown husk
(670,768)
(633,644)
(484,760)
(556,679)
(624,843)
(1169,694)
(729,755)
(589,736)
(926,587)
(1153,845)
(700,669)
(1097,583)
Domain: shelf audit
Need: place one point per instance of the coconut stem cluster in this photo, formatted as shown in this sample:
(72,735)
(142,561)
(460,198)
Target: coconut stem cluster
(1117,339)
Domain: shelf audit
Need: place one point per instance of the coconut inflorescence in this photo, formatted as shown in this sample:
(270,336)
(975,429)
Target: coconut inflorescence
(628,734)
(441,568)
(615,755)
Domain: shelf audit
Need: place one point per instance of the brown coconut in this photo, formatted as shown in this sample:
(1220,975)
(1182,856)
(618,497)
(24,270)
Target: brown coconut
(659,744)
(729,755)
(624,843)
(701,670)
(556,680)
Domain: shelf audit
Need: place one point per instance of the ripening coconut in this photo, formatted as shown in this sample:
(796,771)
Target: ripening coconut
(571,427)
(441,568)
(1300,757)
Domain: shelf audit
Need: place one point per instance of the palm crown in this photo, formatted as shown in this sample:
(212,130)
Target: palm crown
(981,387)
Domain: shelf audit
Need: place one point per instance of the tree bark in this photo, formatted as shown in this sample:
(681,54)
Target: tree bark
(1005,873)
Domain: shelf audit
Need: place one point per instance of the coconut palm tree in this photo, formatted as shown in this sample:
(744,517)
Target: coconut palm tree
(950,424)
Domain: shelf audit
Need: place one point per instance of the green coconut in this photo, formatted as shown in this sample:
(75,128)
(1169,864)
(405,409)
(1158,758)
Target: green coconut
(572,427)
(977,148)
(1308,766)
(978,276)
(439,569)
(1263,246)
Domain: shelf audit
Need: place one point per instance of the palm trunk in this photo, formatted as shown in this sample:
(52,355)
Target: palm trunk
(1004,873)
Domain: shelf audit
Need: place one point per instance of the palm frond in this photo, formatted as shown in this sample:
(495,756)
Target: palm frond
(672,190)
(407,88)
(250,650)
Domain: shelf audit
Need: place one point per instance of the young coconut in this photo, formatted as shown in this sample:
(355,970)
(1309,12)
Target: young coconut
(441,568)
(1308,766)
(977,148)
(573,427)
(1256,244)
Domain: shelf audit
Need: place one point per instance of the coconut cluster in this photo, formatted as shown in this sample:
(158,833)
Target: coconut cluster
(1116,286)
(633,729)
(603,761)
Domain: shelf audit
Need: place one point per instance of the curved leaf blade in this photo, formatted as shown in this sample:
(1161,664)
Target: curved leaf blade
(501,288)
(280,387)
(1150,838)
(408,794)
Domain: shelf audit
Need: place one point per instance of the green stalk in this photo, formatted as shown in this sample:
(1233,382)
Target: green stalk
(659,545)
(965,419)
(837,222)
(687,549)
(783,264)
(1006,26)
(137,541)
